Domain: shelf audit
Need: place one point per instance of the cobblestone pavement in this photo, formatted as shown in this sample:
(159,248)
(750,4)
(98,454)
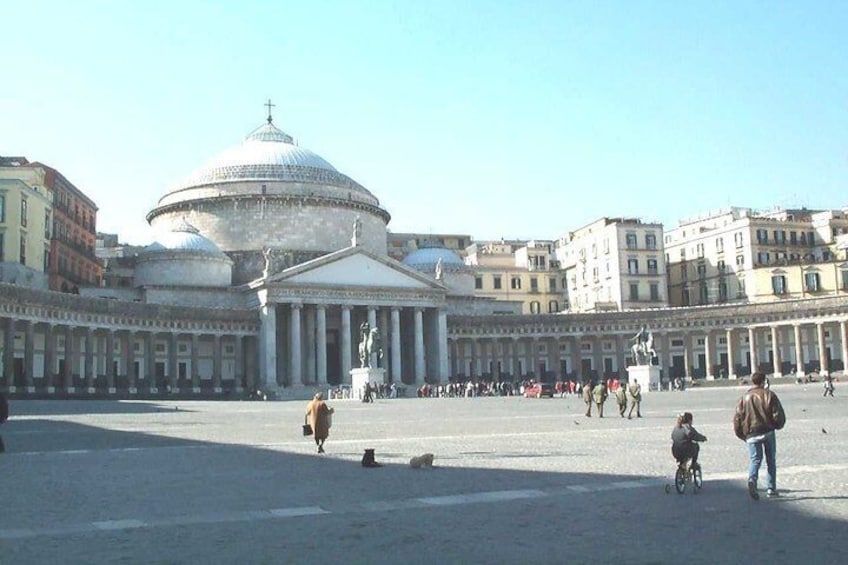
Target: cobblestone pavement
(516,480)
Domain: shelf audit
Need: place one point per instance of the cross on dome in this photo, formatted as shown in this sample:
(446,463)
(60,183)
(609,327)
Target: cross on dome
(269,106)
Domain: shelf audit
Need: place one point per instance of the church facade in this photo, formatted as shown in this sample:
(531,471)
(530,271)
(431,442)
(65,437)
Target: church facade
(267,261)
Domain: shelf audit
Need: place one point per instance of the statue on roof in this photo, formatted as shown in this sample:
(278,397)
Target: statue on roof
(357,232)
(266,254)
(440,273)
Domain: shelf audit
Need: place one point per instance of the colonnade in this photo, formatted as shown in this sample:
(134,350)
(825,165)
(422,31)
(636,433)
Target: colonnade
(712,352)
(303,343)
(70,358)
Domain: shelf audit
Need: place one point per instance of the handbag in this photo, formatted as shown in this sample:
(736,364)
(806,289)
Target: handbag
(307,428)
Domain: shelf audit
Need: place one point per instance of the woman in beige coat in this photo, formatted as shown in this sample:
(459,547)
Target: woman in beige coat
(318,414)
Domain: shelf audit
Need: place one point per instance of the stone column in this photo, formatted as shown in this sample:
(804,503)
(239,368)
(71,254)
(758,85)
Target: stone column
(29,355)
(708,356)
(687,353)
(216,363)
(310,344)
(516,373)
(597,356)
(346,353)
(70,359)
(267,347)
(321,329)
(472,361)
(296,368)
(110,361)
(824,369)
(419,347)
(90,365)
(799,350)
(195,365)
(752,348)
(128,346)
(150,361)
(49,357)
(485,358)
(372,323)
(442,329)
(396,374)
(577,359)
(172,361)
(843,326)
(239,364)
(775,348)
(731,370)
(9,351)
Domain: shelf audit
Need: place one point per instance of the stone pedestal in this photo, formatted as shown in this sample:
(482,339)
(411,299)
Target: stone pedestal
(648,376)
(362,375)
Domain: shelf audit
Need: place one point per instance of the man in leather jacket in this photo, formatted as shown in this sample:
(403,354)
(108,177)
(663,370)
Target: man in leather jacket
(758,414)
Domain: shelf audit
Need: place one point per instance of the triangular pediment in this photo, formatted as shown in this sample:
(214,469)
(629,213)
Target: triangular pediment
(352,267)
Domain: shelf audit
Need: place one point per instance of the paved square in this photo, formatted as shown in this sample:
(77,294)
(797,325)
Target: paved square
(516,480)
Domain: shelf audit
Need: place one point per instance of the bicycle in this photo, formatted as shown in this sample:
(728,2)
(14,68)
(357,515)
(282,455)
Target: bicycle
(687,473)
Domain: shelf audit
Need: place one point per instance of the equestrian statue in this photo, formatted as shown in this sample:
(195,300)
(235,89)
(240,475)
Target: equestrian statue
(370,342)
(643,346)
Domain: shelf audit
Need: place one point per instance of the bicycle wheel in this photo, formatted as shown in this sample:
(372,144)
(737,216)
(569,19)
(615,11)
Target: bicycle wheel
(697,479)
(680,480)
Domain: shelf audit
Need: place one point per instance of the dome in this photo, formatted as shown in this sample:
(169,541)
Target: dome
(184,237)
(429,256)
(268,154)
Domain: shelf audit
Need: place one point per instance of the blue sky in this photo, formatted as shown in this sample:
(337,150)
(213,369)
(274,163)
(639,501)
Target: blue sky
(491,118)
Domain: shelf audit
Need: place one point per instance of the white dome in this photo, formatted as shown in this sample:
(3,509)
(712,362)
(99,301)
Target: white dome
(184,237)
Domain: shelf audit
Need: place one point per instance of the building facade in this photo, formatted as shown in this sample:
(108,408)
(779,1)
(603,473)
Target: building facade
(25,222)
(614,264)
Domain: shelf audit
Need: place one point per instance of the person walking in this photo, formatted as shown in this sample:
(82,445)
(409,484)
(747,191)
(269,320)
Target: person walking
(828,385)
(621,399)
(635,391)
(600,394)
(758,414)
(318,414)
(587,398)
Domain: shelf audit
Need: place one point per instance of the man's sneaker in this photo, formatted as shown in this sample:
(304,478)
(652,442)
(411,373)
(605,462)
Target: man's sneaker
(752,490)
(772,493)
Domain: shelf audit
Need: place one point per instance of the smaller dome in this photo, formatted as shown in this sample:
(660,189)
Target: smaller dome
(428,255)
(184,237)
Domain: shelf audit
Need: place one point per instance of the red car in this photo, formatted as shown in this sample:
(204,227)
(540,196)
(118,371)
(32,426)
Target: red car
(538,390)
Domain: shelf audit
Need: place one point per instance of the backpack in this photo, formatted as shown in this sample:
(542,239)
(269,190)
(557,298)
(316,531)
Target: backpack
(4,408)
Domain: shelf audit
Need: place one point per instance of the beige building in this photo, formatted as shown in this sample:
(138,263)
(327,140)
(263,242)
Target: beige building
(517,271)
(739,255)
(25,222)
(614,264)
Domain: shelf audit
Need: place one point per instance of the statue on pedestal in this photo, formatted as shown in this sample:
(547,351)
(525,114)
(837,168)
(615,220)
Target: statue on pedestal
(643,346)
(370,342)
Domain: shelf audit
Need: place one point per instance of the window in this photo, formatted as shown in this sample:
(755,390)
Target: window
(478,283)
(496,282)
(3,247)
(702,269)
(780,237)
(719,242)
(47,224)
(650,241)
(606,245)
(778,284)
(812,282)
(722,291)
(738,239)
(655,291)
(843,273)
(699,249)
(535,307)
(515,283)
(633,266)
(634,291)
(682,254)
(534,284)
(793,238)
(652,266)
(553,307)
(23,249)
(740,260)
(684,298)
(594,274)
(23,212)
(552,284)
(684,273)
(763,258)
(703,294)
(46,258)
(631,240)
(762,236)
(2,208)
(721,266)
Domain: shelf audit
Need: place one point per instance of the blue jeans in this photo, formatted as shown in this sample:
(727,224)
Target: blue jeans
(755,451)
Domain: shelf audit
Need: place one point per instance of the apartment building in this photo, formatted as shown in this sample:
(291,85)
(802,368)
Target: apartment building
(614,264)
(741,255)
(25,227)
(518,271)
(71,260)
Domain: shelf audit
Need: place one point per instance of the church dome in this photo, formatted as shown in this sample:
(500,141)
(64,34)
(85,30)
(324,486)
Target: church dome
(268,154)
(184,237)
(425,258)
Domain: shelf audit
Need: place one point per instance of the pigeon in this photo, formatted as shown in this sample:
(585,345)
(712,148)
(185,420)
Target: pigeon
(576,423)
(824,431)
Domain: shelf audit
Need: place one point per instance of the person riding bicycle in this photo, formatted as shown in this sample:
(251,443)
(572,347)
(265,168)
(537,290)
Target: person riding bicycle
(684,439)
